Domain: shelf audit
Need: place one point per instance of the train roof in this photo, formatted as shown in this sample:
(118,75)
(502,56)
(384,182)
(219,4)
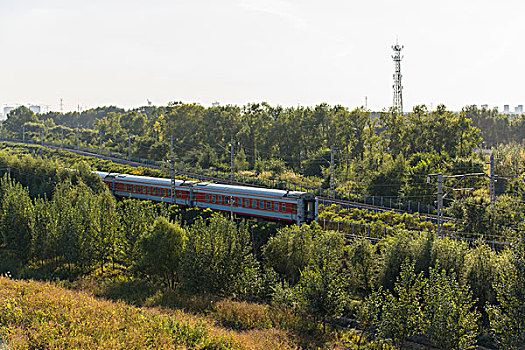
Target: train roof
(210,186)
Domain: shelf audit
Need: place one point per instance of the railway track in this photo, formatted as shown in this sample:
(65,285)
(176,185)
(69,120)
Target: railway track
(208,178)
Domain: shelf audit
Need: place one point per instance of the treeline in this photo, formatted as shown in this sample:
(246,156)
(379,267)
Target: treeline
(389,155)
(268,138)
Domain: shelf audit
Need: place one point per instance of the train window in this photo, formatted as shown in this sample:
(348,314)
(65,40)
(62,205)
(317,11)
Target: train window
(129,188)
(207,196)
(276,206)
(268,205)
(226,200)
(284,206)
(143,189)
(246,203)
(254,203)
(238,202)
(261,204)
(219,199)
(213,199)
(136,189)
(169,193)
(294,208)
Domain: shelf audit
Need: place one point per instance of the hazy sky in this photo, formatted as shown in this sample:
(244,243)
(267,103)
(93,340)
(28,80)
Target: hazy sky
(287,52)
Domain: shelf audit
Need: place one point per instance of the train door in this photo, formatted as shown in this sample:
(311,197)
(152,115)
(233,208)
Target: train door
(307,210)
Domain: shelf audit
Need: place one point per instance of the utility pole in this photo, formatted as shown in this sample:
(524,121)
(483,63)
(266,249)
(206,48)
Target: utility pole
(42,142)
(440,203)
(441,196)
(231,156)
(172,160)
(332,171)
(492,189)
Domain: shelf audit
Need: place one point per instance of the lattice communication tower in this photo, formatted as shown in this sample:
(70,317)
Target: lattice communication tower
(398,88)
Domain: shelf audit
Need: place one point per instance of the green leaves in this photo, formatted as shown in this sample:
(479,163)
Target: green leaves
(218,258)
(507,317)
(438,306)
(161,250)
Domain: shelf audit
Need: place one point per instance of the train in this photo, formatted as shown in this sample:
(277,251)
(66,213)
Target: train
(243,201)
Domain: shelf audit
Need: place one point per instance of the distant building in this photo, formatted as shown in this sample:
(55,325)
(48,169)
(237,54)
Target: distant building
(506,109)
(7,110)
(484,106)
(518,109)
(35,109)
(215,104)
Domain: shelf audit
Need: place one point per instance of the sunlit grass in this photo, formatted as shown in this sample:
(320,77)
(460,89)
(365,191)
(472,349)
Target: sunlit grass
(36,315)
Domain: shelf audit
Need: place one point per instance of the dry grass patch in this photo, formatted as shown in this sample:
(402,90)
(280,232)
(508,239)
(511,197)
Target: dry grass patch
(37,315)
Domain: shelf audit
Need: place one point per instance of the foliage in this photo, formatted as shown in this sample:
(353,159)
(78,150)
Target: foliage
(320,290)
(161,250)
(361,266)
(448,307)
(290,251)
(399,315)
(218,259)
(438,306)
(507,316)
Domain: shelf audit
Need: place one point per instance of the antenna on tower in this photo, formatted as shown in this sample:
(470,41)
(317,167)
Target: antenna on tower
(61,105)
(149,102)
(398,88)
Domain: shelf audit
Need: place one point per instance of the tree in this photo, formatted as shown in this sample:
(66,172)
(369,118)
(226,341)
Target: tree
(161,250)
(218,257)
(290,251)
(320,290)
(135,217)
(448,308)
(17,118)
(16,220)
(399,315)
(507,317)
(361,265)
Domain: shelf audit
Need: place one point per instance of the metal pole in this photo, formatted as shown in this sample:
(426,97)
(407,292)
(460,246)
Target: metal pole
(332,171)
(172,173)
(231,156)
(492,189)
(440,202)
(42,142)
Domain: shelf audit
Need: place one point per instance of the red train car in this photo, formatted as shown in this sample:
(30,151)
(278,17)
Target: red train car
(278,205)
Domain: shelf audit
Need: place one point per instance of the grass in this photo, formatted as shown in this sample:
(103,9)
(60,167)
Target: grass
(35,315)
